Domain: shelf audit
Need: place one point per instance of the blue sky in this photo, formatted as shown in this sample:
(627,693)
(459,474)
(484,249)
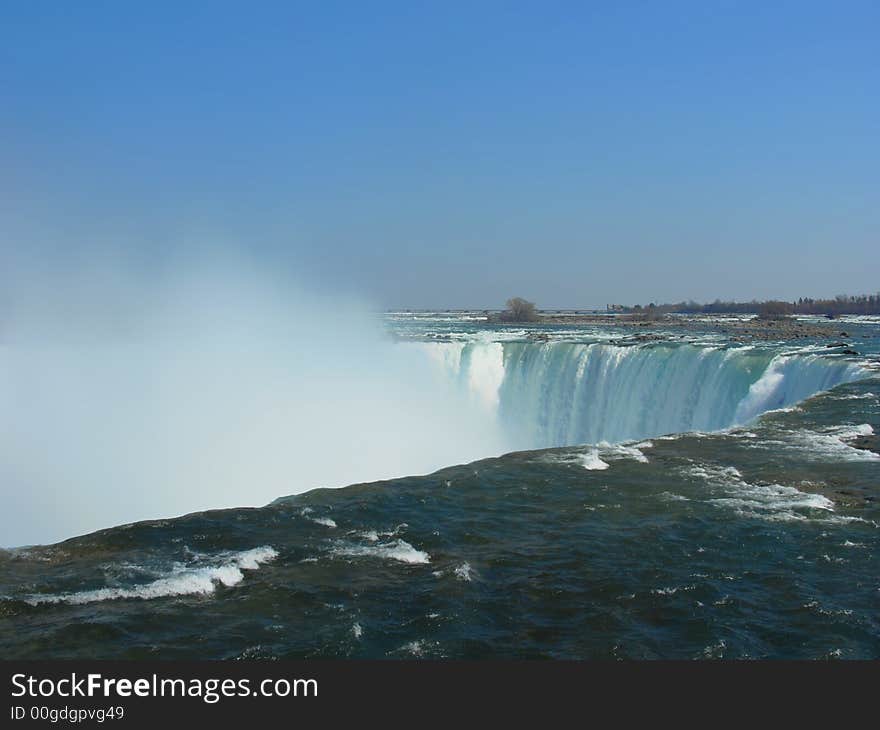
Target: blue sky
(452,154)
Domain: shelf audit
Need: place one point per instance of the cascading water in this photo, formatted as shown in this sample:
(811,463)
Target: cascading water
(564,393)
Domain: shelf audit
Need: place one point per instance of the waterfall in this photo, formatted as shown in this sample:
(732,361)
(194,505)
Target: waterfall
(561,393)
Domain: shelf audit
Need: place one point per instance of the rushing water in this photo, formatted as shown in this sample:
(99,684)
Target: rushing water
(671,519)
(562,393)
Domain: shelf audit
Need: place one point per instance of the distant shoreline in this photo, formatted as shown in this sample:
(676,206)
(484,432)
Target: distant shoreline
(649,326)
(736,327)
(644,327)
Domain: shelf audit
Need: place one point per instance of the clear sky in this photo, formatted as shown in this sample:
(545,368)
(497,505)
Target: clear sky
(452,154)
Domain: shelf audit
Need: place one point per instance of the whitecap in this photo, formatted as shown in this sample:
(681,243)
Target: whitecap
(772,502)
(625,451)
(399,550)
(180,581)
(376,535)
(856,396)
(671,590)
(832,443)
(590,460)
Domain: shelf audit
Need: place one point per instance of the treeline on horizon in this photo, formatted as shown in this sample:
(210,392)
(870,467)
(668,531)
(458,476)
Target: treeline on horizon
(841,304)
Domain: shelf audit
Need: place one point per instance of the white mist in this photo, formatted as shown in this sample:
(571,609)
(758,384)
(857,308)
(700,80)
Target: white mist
(122,400)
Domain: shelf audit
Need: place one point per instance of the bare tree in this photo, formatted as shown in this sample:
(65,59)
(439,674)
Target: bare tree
(519,310)
(774,309)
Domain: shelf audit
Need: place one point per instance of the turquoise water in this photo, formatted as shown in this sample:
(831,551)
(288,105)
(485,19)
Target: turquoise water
(670,520)
(557,386)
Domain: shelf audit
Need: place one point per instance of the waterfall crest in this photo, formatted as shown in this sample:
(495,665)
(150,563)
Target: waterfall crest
(561,393)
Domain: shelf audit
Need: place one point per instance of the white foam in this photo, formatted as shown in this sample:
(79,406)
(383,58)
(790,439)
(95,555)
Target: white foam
(182,580)
(831,444)
(416,648)
(464,572)
(671,590)
(738,434)
(375,535)
(326,521)
(590,460)
(762,391)
(772,502)
(399,550)
(715,651)
(624,451)
(852,432)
